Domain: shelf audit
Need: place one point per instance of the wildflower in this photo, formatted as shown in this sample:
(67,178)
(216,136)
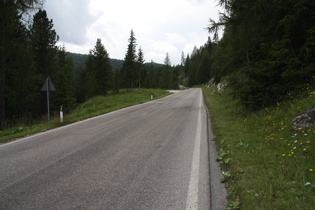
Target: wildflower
(295,141)
(311,170)
(283,155)
(304,149)
(289,144)
(307,183)
(294,147)
(308,142)
(292,153)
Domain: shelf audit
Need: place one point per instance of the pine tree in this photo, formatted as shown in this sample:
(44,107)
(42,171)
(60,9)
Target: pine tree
(22,94)
(98,72)
(10,19)
(169,75)
(116,80)
(151,78)
(266,50)
(130,63)
(140,67)
(102,67)
(44,38)
(63,83)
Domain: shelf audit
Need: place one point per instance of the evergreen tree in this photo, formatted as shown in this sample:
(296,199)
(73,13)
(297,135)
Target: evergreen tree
(10,21)
(140,67)
(169,75)
(43,43)
(63,83)
(103,68)
(167,61)
(21,92)
(91,88)
(43,40)
(151,78)
(130,63)
(116,80)
(266,48)
(97,72)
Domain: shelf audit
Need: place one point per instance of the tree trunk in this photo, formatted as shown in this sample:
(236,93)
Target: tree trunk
(2,67)
(2,93)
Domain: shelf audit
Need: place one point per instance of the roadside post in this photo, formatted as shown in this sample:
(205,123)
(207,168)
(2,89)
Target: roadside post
(61,115)
(48,86)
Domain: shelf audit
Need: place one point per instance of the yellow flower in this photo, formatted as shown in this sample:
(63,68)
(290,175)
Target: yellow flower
(304,149)
(311,170)
(308,142)
(292,153)
(283,155)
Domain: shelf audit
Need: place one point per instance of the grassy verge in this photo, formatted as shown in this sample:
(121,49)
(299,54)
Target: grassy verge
(93,107)
(267,165)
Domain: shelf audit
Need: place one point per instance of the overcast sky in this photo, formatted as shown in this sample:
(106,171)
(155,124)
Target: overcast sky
(160,26)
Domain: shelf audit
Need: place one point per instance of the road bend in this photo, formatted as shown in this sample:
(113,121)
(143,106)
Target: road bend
(148,156)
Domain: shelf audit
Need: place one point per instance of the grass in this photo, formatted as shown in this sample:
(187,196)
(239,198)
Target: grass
(93,107)
(266,164)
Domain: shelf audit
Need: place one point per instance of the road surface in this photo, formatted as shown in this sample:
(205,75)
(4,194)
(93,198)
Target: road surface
(150,156)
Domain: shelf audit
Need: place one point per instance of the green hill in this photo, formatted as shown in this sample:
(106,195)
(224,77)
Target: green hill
(79,61)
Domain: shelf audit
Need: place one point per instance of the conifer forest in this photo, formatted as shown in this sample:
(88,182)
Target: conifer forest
(266,53)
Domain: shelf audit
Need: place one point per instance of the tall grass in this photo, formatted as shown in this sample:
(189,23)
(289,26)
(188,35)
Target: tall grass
(93,107)
(267,164)
(104,104)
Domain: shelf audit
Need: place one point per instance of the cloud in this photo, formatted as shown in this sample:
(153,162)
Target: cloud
(160,26)
(71,19)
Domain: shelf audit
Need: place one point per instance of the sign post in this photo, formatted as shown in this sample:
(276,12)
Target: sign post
(48,86)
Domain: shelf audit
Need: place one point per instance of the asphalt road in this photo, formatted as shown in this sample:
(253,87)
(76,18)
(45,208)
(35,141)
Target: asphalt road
(150,156)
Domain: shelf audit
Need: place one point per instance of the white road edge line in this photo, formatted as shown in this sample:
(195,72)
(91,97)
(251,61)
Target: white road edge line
(192,196)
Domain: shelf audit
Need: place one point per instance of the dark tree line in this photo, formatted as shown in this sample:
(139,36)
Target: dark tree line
(98,77)
(198,65)
(267,51)
(28,55)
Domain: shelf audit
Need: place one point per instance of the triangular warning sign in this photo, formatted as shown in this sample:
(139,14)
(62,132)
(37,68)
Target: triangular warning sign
(48,85)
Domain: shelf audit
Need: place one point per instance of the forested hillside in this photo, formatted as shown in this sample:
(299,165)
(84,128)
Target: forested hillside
(79,61)
(266,54)
(29,54)
(267,51)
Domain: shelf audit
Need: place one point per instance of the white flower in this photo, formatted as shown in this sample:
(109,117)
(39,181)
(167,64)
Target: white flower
(307,183)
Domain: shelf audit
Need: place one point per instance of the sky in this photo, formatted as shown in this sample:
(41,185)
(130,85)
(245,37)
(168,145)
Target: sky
(160,26)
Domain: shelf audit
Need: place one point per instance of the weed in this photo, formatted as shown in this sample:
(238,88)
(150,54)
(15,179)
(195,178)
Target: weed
(267,164)
(93,107)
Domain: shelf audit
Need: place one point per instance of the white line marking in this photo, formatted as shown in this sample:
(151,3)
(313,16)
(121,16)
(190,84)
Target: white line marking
(192,196)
